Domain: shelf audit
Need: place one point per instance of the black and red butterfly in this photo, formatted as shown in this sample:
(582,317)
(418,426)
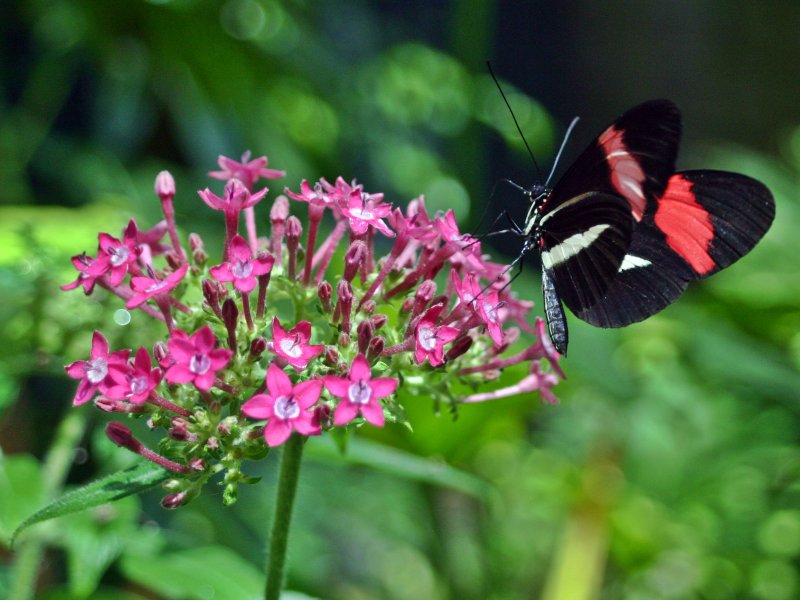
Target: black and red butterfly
(622,234)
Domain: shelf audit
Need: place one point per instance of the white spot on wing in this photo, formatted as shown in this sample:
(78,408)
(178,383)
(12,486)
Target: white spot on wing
(571,246)
(632,262)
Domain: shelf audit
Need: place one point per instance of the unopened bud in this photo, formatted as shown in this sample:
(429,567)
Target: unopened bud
(368,307)
(459,347)
(195,242)
(162,355)
(173,501)
(122,436)
(325,293)
(258,346)
(197,464)
(165,185)
(344,340)
(331,356)
(354,259)
(323,415)
(376,346)
(364,332)
(378,321)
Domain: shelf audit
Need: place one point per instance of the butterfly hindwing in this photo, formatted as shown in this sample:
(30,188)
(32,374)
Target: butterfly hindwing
(703,222)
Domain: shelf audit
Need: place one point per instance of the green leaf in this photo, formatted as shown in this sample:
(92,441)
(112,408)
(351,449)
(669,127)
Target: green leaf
(134,480)
(195,574)
(399,463)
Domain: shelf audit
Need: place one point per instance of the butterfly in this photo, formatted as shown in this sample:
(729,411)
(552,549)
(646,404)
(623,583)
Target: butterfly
(622,234)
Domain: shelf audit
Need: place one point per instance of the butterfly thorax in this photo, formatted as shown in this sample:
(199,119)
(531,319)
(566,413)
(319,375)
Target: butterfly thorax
(538,195)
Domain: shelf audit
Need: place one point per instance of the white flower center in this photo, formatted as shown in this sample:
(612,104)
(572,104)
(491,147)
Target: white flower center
(364,214)
(427,338)
(139,385)
(286,408)
(291,348)
(156,287)
(199,364)
(119,255)
(490,310)
(359,392)
(96,370)
(242,269)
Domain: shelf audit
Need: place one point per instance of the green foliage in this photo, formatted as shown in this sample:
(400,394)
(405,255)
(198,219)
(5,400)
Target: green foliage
(670,468)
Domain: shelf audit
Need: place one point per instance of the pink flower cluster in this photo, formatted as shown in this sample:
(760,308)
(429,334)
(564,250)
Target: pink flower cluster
(433,306)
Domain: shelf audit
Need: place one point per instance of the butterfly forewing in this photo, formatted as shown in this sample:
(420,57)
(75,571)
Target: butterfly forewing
(634,157)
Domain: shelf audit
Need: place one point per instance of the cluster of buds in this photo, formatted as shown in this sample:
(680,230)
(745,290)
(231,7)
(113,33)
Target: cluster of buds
(317,346)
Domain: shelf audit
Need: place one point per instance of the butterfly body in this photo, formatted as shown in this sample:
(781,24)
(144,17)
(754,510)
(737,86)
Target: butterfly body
(622,234)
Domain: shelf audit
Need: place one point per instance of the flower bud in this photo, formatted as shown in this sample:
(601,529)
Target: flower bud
(364,332)
(344,340)
(325,293)
(257,347)
(196,242)
(368,307)
(173,501)
(331,356)
(165,185)
(376,346)
(354,259)
(122,436)
(379,321)
(459,347)
(197,464)
(162,355)
(323,415)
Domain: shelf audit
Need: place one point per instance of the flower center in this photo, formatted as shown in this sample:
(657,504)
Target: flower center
(427,338)
(286,408)
(157,287)
(242,269)
(139,385)
(119,255)
(362,213)
(490,310)
(96,370)
(359,392)
(291,347)
(199,364)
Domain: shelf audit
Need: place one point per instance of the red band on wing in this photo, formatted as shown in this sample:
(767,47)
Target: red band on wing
(627,175)
(686,224)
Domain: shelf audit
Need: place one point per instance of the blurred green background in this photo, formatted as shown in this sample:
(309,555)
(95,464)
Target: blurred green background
(670,468)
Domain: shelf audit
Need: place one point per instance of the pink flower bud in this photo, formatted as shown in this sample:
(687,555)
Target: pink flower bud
(325,293)
(364,332)
(322,415)
(165,185)
(173,501)
(354,259)
(258,346)
(459,347)
(376,346)
(331,356)
(368,307)
(344,340)
(122,436)
(195,242)
(379,321)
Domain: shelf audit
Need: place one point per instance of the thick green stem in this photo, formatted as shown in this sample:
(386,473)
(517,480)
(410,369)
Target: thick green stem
(279,538)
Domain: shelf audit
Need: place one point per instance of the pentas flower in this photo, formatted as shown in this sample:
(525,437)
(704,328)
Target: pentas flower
(115,257)
(137,382)
(364,211)
(82,263)
(241,268)
(94,373)
(147,288)
(431,337)
(247,171)
(292,346)
(196,358)
(236,197)
(285,406)
(359,393)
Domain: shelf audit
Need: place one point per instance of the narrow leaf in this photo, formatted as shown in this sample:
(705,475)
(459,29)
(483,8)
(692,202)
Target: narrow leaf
(134,480)
(399,463)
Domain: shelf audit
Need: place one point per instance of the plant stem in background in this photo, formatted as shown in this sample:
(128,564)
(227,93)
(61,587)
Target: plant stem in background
(56,466)
(279,538)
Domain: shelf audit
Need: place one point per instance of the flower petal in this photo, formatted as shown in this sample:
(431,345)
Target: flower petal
(277,431)
(99,345)
(360,369)
(278,382)
(258,407)
(345,412)
(338,386)
(306,393)
(373,413)
(383,386)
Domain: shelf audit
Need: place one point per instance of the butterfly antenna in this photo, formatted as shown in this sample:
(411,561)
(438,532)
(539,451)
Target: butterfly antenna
(513,116)
(560,150)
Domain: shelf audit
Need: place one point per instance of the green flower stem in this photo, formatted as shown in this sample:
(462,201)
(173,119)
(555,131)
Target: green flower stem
(287,488)
(54,472)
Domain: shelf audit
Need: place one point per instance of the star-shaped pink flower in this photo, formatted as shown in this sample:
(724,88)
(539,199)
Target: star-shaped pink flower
(483,302)
(94,373)
(235,198)
(247,171)
(82,262)
(364,210)
(115,256)
(432,338)
(285,406)
(359,393)
(293,346)
(134,384)
(196,358)
(241,268)
(150,287)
